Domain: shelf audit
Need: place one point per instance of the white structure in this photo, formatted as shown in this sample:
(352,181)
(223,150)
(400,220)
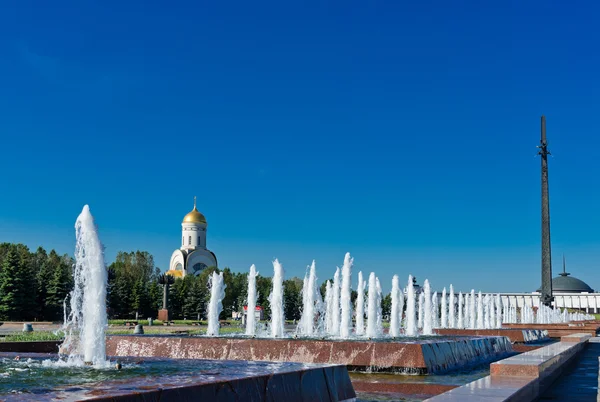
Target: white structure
(193,256)
(586,302)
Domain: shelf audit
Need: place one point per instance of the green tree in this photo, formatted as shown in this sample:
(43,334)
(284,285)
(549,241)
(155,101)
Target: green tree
(196,300)
(59,287)
(292,298)
(11,287)
(17,300)
(386,306)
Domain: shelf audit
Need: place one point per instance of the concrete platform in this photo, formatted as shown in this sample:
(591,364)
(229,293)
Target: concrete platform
(209,381)
(520,378)
(432,355)
(516,335)
(559,330)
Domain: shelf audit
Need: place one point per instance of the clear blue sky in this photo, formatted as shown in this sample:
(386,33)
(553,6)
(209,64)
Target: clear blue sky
(403,132)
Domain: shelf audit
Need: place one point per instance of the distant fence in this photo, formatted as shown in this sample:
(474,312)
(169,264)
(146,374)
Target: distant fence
(588,302)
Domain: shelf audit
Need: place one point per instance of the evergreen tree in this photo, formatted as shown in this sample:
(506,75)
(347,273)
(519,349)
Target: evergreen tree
(44,276)
(139,298)
(11,287)
(196,301)
(59,287)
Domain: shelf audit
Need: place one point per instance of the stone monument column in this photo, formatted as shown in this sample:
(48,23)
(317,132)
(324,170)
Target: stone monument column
(165,281)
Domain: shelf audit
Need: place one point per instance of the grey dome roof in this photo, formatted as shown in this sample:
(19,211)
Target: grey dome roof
(569,284)
(564,283)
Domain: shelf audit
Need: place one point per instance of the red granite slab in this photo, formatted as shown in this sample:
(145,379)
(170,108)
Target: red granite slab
(419,356)
(516,335)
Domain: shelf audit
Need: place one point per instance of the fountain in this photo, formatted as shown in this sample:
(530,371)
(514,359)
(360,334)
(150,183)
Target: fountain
(215,306)
(461,318)
(480,324)
(87,322)
(421,306)
(451,309)
(444,323)
(345,298)
(360,305)
(252,296)
(472,314)
(411,325)
(395,313)
(436,310)
(427,319)
(329,308)
(335,304)
(276,300)
(311,311)
(374,328)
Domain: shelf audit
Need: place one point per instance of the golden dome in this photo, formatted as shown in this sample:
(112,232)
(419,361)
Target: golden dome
(175,273)
(194,216)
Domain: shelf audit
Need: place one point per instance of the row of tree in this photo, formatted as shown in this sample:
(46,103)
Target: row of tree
(34,286)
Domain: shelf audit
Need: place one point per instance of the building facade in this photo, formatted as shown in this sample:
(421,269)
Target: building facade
(193,256)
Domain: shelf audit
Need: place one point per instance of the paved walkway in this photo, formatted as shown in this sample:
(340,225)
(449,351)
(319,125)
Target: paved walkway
(580,381)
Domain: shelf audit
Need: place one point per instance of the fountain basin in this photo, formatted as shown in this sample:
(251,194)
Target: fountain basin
(32,379)
(410,356)
(516,335)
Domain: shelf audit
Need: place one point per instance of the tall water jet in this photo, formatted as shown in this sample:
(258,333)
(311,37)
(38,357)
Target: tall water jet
(335,304)
(421,306)
(215,306)
(479,311)
(360,305)
(311,298)
(492,311)
(451,309)
(498,311)
(411,325)
(276,301)
(252,296)
(346,298)
(395,311)
(427,316)
(86,324)
(379,321)
(374,308)
(472,314)
(444,310)
(435,310)
(460,321)
(329,307)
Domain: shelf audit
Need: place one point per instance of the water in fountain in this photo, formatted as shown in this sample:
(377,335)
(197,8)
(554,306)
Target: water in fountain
(86,324)
(379,321)
(276,301)
(461,321)
(360,305)
(328,308)
(374,308)
(480,322)
(427,316)
(472,314)
(444,323)
(486,312)
(411,325)
(498,311)
(436,310)
(252,296)
(492,311)
(215,306)
(395,313)
(312,309)
(451,309)
(346,298)
(335,304)
(420,310)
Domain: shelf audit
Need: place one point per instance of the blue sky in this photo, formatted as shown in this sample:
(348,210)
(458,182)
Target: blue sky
(403,132)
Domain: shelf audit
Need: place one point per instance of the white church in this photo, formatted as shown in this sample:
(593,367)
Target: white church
(193,256)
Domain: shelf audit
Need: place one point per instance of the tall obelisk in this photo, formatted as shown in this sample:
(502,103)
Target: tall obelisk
(546,297)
